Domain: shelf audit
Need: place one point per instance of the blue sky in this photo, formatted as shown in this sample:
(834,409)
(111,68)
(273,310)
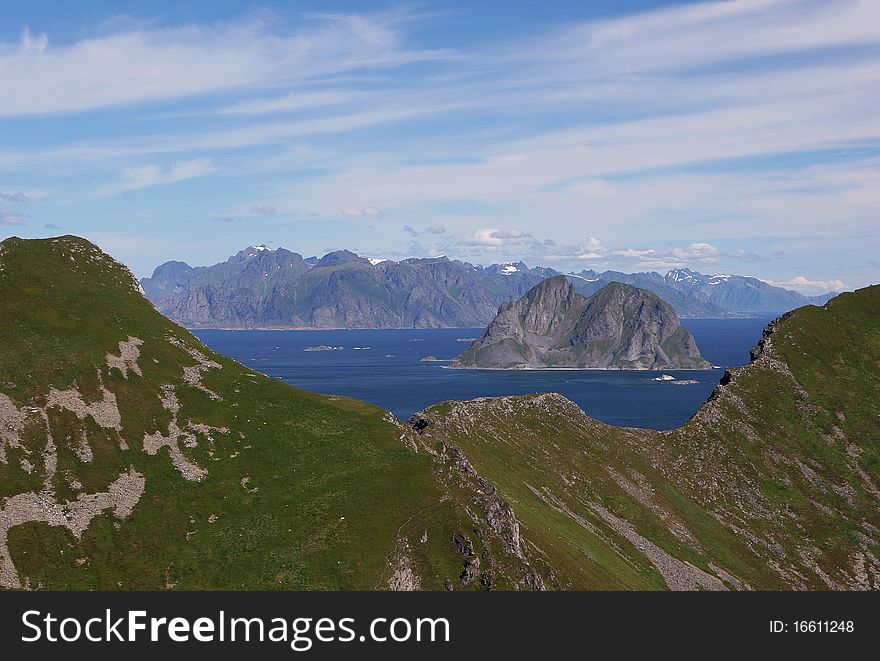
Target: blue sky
(728,137)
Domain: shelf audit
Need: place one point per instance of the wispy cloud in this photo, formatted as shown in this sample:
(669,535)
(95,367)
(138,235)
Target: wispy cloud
(436,229)
(148,65)
(694,253)
(365,211)
(712,133)
(154,175)
(9,217)
(292,101)
(14,197)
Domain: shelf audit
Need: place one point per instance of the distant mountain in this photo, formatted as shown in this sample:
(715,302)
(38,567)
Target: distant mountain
(261,287)
(686,303)
(693,294)
(741,294)
(618,327)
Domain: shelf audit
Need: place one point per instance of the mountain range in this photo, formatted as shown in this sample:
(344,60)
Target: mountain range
(132,456)
(552,326)
(276,288)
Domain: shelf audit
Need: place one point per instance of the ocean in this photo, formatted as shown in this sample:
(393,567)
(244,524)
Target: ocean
(385,367)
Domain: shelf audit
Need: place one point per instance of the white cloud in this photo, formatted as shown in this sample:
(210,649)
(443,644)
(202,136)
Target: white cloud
(9,217)
(14,197)
(154,175)
(661,125)
(592,248)
(145,65)
(616,169)
(291,102)
(263,210)
(495,237)
(697,252)
(435,229)
(366,211)
(693,254)
(803,284)
(768,27)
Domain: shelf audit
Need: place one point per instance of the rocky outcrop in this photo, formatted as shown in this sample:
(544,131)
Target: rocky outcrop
(619,327)
(502,561)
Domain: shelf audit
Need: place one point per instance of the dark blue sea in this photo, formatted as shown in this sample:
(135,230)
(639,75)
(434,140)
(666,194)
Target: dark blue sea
(385,367)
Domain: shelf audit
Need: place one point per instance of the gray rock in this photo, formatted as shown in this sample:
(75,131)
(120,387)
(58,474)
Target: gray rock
(618,327)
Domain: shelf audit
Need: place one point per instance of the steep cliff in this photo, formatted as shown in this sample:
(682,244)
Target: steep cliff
(618,327)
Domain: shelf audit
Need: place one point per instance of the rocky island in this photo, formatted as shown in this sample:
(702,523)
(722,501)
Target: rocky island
(553,326)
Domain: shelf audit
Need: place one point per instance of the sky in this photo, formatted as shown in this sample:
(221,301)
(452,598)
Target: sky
(728,137)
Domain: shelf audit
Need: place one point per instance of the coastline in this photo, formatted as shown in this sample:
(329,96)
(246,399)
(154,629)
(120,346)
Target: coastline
(326,328)
(584,369)
(426,328)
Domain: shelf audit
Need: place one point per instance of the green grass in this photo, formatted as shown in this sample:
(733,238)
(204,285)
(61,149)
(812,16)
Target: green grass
(334,482)
(766,482)
(760,477)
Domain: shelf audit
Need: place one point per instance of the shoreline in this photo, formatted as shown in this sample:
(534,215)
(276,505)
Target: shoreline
(383,328)
(329,328)
(583,369)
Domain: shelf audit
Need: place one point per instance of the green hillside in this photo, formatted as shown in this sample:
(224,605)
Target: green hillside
(773,484)
(133,457)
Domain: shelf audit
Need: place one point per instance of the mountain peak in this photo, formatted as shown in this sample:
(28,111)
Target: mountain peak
(74,253)
(618,327)
(556,283)
(684,275)
(341,257)
(250,252)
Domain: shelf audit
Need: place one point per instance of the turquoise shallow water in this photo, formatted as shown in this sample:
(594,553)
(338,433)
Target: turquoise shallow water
(387,370)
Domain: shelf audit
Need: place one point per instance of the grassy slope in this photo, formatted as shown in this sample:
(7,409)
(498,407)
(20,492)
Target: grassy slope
(771,485)
(333,481)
